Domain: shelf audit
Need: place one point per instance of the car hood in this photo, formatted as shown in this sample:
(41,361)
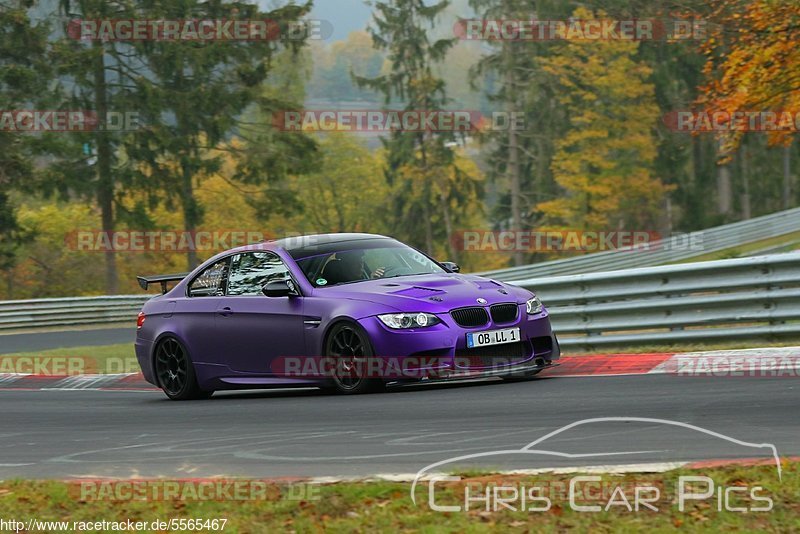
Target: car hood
(432,293)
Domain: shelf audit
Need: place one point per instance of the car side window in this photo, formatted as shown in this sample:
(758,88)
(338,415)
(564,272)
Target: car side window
(211,282)
(251,271)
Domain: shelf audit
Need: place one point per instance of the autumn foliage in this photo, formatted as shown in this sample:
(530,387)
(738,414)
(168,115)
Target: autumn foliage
(753,61)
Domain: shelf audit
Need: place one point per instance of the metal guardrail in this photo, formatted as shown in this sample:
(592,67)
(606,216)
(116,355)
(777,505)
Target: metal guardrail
(746,298)
(77,311)
(665,251)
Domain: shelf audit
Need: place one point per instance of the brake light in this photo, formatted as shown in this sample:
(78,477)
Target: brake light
(140,320)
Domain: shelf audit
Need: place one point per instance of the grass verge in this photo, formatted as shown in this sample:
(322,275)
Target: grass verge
(387,507)
(786,241)
(104,359)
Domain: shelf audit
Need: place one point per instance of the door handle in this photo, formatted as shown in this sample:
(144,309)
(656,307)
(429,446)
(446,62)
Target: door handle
(225,312)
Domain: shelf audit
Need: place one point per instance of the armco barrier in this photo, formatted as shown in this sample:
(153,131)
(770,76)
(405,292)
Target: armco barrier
(754,298)
(76,311)
(747,298)
(670,250)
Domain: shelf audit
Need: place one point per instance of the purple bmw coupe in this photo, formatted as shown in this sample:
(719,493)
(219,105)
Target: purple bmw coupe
(346,312)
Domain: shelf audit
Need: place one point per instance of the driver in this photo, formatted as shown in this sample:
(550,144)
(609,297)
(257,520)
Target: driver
(356,267)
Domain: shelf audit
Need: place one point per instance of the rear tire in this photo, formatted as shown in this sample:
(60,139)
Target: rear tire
(175,372)
(349,346)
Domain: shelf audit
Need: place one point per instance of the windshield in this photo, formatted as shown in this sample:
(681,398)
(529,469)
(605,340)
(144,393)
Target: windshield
(359,261)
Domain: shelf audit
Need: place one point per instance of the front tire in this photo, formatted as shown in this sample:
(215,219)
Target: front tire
(175,372)
(349,346)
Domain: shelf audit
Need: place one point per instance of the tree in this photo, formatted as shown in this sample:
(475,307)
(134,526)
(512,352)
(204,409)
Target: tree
(518,158)
(23,78)
(194,95)
(754,68)
(48,268)
(98,76)
(346,193)
(333,64)
(418,163)
(267,158)
(604,161)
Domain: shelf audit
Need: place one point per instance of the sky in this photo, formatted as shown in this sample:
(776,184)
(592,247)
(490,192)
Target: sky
(345,15)
(349,15)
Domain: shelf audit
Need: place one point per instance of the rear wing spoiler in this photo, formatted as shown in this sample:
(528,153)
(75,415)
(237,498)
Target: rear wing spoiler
(145,281)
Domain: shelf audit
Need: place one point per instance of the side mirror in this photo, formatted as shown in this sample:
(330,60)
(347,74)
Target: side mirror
(451,266)
(279,288)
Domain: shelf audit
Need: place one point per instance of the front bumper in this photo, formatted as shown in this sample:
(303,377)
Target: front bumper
(511,371)
(441,351)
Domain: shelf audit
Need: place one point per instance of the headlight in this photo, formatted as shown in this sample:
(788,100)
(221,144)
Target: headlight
(408,320)
(534,306)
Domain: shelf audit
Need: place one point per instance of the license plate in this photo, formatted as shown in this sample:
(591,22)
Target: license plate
(492,337)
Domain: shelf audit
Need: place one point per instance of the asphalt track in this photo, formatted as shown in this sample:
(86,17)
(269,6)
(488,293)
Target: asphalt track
(62,434)
(32,342)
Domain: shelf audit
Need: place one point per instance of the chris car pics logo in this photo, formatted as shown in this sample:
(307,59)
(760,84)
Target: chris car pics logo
(590,493)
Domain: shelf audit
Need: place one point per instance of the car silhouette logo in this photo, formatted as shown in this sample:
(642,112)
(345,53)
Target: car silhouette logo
(483,301)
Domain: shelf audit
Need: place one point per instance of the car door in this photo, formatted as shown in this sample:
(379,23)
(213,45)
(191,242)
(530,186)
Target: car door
(252,328)
(196,312)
